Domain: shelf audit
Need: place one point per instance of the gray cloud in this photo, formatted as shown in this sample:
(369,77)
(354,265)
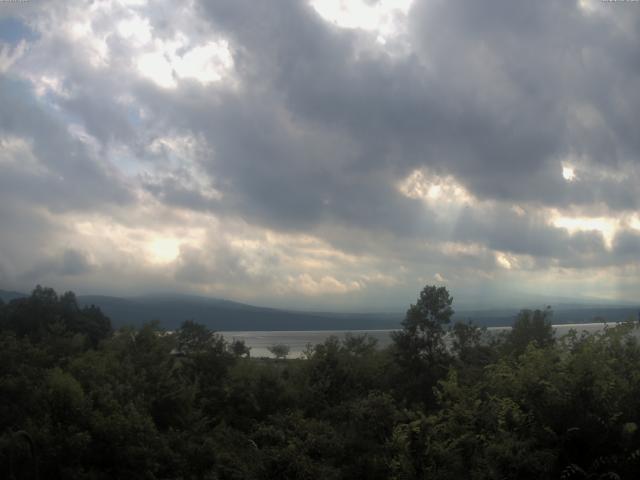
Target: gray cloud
(493,102)
(505,230)
(70,262)
(361,125)
(63,174)
(626,246)
(320,124)
(221,265)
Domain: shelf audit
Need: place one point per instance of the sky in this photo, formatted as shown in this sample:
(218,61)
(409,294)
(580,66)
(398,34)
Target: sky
(322,154)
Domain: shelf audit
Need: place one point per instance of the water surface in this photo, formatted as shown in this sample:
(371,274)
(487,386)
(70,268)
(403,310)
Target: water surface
(297,341)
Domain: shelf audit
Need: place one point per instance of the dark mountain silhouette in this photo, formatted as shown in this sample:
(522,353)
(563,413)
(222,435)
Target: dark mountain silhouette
(226,315)
(172,310)
(7,296)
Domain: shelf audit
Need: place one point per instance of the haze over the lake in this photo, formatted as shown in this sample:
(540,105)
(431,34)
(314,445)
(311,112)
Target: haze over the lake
(324,154)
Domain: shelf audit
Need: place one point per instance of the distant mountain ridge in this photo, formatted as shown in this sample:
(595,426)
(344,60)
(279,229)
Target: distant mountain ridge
(562,315)
(7,296)
(226,315)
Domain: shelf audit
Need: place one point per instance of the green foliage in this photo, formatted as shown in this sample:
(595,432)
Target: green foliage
(426,318)
(336,371)
(530,326)
(473,348)
(279,350)
(46,316)
(239,349)
(420,349)
(78,402)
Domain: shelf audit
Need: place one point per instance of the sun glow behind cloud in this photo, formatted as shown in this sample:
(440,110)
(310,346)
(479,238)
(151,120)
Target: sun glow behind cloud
(166,65)
(605,225)
(432,188)
(164,249)
(568,173)
(382,17)
(111,239)
(504,261)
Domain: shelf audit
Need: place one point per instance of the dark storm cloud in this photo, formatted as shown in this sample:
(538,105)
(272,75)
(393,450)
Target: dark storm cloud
(493,93)
(524,75)
(278,174)
(274,162)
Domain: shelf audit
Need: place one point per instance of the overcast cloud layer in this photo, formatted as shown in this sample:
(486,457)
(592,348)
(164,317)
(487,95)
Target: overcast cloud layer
(321,154)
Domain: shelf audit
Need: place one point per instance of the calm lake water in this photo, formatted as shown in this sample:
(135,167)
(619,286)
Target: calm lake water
(259,342)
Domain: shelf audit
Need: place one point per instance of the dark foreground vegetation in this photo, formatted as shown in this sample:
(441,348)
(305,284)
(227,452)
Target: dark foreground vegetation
(78,400)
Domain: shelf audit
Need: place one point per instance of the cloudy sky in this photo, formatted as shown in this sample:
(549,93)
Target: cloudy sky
(321,154)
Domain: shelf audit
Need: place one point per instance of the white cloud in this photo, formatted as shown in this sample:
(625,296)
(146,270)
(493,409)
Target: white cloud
(607,226)
(167,62)
(135,29)
(156,66)
(384,17)
(206,63)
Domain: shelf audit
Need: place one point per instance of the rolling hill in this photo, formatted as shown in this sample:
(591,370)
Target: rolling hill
(225,315)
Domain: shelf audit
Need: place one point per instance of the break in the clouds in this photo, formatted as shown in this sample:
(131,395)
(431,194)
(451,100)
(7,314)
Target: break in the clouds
(321,153)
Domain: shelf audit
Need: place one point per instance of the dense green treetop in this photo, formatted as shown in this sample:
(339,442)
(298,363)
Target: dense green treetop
(79,401)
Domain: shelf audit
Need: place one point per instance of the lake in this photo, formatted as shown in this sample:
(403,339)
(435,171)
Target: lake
(297,341)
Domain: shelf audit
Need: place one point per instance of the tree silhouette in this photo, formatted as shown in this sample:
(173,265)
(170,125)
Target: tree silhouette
(419,347)
(279,350)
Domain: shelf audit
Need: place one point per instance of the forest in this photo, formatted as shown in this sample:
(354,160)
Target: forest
(80,400)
